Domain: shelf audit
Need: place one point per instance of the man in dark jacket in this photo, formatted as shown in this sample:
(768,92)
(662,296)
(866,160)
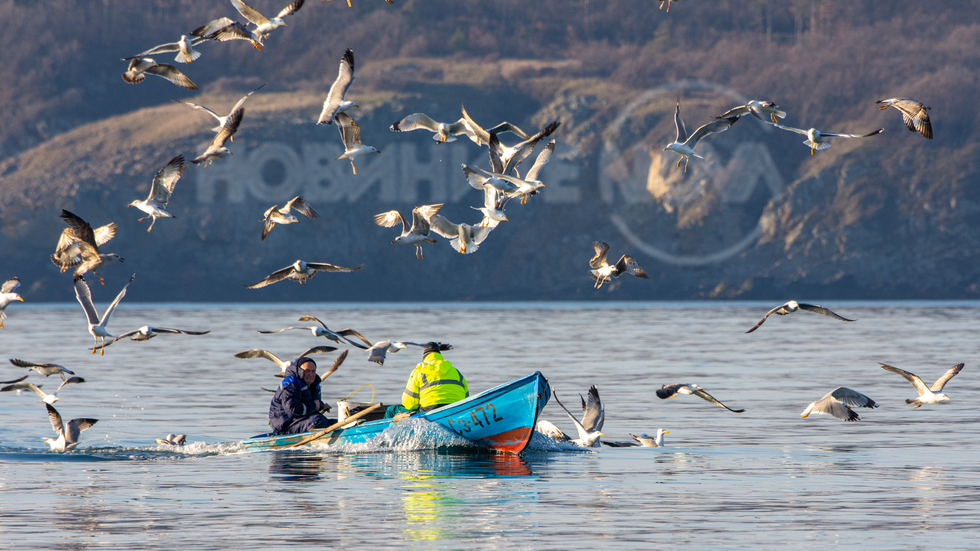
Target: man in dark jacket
(296,405)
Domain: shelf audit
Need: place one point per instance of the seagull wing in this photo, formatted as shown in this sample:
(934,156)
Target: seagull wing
(508,127)
(199,108)
(420,218)
(285,329)
(55,418)
(439,224)
(765,317)
(313,318)
(248,12)
(338,90)
(713,127)
(496,164)
(679,124)
(829,405)
(548,428)
(348,332)
(868,135)
(80,229)
(232,31)
(9,285)
(291,9)
(180,331)
(166,179)
(941,382)
(245,97)
(84,296)
(476,133)
(25,386)
(527,146)
(161,49)
(318,350)
(390,219)
(582,433)
(599,260)
(336,363)
(669,391)
(76,426)
(920,387)
(324,267)
(69,381)
(914,115)
(204,31)
(542,160)
(629,264)
(851,397)
(739,111)
(595,415)
(259,353)
(415,121)
(821,310)
(13,381)
(228,129)
(713,400)
(274,277)
(171,73)
(24,363)
(301,206)
(350,131)
(115,302)
(378,352)
(791,129)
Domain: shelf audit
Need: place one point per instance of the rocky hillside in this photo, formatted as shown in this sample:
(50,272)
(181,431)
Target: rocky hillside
(890,216)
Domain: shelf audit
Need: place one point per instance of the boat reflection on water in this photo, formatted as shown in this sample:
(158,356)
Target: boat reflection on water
(425,464)
(294,466)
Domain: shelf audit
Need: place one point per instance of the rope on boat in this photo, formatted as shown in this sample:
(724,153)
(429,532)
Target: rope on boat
(359,388)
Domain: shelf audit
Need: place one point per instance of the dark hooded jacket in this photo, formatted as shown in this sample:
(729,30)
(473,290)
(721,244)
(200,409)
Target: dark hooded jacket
(294,400)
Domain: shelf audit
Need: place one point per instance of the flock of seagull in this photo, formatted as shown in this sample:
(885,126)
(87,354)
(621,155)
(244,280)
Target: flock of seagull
(78,245)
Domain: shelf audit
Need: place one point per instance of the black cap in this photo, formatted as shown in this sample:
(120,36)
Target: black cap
(430,347)
(302,360)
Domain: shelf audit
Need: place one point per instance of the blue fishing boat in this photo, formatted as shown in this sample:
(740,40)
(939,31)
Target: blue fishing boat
(502,419)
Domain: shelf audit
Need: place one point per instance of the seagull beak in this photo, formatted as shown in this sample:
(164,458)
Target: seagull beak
(803,415)
(20,299)
(666,432)
(665,149)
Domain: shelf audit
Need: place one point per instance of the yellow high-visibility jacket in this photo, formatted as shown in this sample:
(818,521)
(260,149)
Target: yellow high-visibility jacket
(434,382)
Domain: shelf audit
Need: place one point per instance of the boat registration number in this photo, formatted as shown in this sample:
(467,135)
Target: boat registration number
(482,416)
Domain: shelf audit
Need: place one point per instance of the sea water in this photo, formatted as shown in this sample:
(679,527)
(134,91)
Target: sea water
(899,478)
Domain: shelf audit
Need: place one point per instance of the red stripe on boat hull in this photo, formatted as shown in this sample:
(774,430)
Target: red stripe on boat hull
(513,441)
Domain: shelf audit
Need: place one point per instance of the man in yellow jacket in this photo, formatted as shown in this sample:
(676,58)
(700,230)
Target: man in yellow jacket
(433,383)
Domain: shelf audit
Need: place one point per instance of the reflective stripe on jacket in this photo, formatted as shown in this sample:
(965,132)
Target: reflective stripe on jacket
(434,382)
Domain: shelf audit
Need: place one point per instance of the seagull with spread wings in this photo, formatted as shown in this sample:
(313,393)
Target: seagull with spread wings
(350,134)
(69,433)
(259,353)
(512,157)
(46,398)
(462,237)
(444,132)
(593,417)
(669,391)
(67,254)
(480,136)
(756,108)
(915,115)
(323,331)
(184,48)
(147,332)
(276,215)
(43,368)
(510,186)
(216,149)
(264,25)
(221,120)
(684,145)
(163,185)
(379,351)
(300,271)
(602,271)
(838,402)
(7,296)
(336,102)
(792,306)
(140,67)
(815,138)
(96,326)
(83,237)
(927,394)
(418,233)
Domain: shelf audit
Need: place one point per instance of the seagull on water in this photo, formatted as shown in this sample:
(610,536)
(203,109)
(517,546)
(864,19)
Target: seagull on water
(838,402)
(791,306)
(67,433)
(927,395)
(417,233)
(96,326)
(161,188)
(756,108)
(602,271)
(462,237)
(172,440)
(350,134)
(140,67)
(648,441)
(593,417)
(259,353)
(221,120)
(914,114)
(7,295)
(184,48)
(216,149)
(46,398)
(815,138)
(669,391)
(45,369)
(264,25)
(300,271)
(276,215)
(444,132)
(684,145)
(335,102)
(83,237)
(323,331)
(147,332)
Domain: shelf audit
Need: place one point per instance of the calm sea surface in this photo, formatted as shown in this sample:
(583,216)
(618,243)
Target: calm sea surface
(900,478)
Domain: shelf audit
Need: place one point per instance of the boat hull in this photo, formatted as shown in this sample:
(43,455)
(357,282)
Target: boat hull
(502,419)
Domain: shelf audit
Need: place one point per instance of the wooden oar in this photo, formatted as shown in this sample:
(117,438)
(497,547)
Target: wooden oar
(320,434)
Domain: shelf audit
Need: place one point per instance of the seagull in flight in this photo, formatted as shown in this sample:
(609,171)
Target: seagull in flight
(83,237)
(350,134)
(67,433)
(815,138)
(444,132)
(259,353)
(838,402)
(300,271)
(602,271)
(669,391)
(221,120)
(756,108)
(927,394)
(161,188)
(462,237)
(140,67)
(147,332)
(67,254)
(335,102)
(792,306)
(323,331)
(46,398)
(96,326)
(7,296)
(264,25)
(184,48)
(684,145)
(379,351)
(478,135)
(915,115)
(45,369)
(418,232)
(593,417)
(216,149)
(276,215)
